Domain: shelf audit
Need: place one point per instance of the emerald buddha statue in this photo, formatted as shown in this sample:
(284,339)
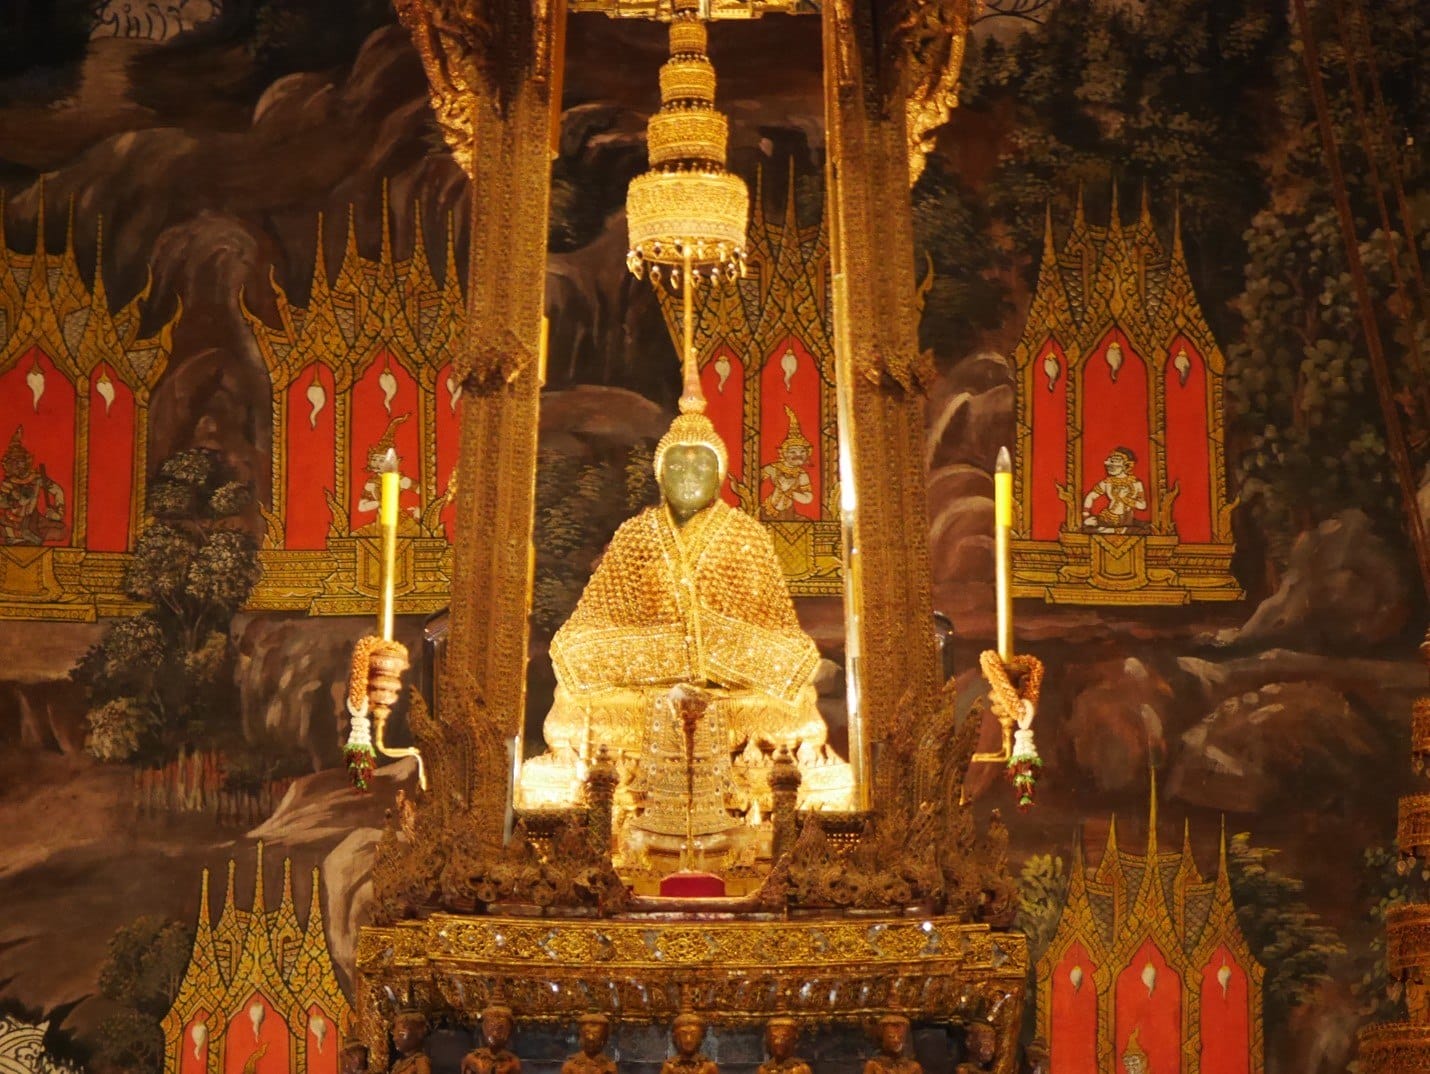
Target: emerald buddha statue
(689,592)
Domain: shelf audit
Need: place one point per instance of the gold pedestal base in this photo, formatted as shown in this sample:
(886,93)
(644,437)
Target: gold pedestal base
(736,971)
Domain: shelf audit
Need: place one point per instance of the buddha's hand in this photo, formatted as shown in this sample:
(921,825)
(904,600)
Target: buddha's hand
(689,700)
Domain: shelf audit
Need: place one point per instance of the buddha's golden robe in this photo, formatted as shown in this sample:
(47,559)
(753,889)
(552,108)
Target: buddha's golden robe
(701,603)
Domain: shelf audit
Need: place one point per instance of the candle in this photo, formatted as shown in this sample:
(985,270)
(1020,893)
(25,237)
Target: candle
(1002,530)
(387,520)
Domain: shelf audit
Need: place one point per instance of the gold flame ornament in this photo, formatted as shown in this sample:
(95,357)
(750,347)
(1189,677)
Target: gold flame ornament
(687,215)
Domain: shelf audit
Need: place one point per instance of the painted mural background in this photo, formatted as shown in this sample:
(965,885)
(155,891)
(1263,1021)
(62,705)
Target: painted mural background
(207,140)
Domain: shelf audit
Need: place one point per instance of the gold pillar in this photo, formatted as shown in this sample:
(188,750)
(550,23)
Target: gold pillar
(881,380)
(493,77)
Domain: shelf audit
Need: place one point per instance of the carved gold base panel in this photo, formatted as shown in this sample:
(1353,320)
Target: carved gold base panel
(734,972)
(62,584)
(1122,569)
(344,579)
(1395,1048)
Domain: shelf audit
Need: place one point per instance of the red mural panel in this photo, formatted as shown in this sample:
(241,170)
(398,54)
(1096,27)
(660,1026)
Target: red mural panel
(1074,1014)
(449,428)
(37,400)
(1049,411)
(789,480)
(1226,1015)
(384,403)
(324,1043)
(1149,1000)
(311,453)
(111,462)
(1114,413)
(194,1045)
(723,382)
(257,1034)
(1188,449)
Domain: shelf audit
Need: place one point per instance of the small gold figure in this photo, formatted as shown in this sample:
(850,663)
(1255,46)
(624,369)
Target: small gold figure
(493,1057)
(981,1048)
(781,1035)
(687,1033)
(409,1033)
(1124,492)
(595,1033)
(890,1059)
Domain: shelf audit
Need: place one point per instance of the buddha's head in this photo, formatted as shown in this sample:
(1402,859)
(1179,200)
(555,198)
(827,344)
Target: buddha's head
(893,1033)
(595,1031)
(409,1030)
(690,464)
(497,1026)
(688,1031)
(780,1037)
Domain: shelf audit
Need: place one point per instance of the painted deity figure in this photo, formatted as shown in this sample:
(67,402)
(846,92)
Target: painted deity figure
(688,592)
(781,1035)
(893,1039)
(687,1034)
(370,499)
(1134,1059)
(595,1034)
(1123,493)
(409,1033)
(494,1057)
(788,475)
(32,504)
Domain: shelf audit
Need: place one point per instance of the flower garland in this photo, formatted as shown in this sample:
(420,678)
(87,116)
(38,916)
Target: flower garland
(358,751)
(1017,705)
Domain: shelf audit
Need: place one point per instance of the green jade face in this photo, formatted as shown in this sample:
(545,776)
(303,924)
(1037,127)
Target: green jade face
(689,480)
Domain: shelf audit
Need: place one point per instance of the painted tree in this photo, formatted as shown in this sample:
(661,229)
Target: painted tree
(141,976)
(164,678)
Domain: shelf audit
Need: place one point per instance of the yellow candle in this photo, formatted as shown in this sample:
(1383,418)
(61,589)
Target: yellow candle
(1002,531)
(387,519)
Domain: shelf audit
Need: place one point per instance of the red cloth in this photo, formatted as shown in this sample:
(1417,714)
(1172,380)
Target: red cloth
(692,886)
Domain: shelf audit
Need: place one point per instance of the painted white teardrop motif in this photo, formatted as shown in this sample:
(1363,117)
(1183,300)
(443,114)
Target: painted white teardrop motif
(722,370)
(318,1026)
(1149,977)
(454,391)
(104,388)
(790,364)
(255,1015)
(1075,976)
(317,399)
(388,383)
(1114,359)
(1183,365)
(35,378)
(199,1034)
(1223,978)
(1052,370)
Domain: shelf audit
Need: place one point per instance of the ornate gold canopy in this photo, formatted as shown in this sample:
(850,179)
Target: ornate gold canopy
(714,9)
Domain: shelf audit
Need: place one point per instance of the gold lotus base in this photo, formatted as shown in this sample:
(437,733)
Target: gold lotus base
(1395,1048)
(735,971)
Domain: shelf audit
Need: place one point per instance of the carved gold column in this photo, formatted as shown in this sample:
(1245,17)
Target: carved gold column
(491,65)
(1402,1047)
(876,71)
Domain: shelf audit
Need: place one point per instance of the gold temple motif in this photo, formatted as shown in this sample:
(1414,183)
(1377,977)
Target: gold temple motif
(258,982)
(1121,464)
(389,323)
(717,9)
(76,379)
(1139,924)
